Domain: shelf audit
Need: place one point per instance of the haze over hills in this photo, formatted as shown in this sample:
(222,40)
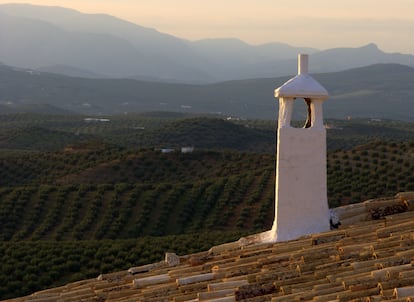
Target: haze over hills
(377,91)
(68,42)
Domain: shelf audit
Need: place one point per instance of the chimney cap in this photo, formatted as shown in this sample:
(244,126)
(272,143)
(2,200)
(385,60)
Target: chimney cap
(302,85)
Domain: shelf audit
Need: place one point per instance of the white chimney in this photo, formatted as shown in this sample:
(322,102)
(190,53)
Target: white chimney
(301,205)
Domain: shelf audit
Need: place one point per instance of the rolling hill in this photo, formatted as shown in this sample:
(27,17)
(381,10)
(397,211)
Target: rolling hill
(72,215)
(81,196)
(110,193)
(157,130)
(382,91)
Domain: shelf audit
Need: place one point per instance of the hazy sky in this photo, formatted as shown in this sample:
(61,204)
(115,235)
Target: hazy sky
(316,23)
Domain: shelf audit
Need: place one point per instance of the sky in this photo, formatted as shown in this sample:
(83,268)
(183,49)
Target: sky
(320,24)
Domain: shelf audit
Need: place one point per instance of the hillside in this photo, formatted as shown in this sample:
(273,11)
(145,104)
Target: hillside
(369,259)
(100,194)
(149,130)
(38,132)
(378,91)
(80,196)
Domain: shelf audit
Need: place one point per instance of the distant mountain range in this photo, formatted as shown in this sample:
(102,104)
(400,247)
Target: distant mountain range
(65,41)
(376,91)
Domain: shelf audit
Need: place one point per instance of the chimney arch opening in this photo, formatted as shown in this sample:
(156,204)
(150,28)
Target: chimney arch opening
(302,113)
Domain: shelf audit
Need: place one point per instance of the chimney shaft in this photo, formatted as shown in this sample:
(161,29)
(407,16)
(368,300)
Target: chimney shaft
(303,60)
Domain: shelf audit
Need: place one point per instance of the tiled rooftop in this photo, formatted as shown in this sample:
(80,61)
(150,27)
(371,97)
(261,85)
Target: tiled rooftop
(370,257)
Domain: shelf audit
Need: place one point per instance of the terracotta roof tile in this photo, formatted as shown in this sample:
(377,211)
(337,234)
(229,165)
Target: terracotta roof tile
(368,258)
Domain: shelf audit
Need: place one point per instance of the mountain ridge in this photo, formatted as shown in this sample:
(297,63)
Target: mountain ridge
(136,51)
